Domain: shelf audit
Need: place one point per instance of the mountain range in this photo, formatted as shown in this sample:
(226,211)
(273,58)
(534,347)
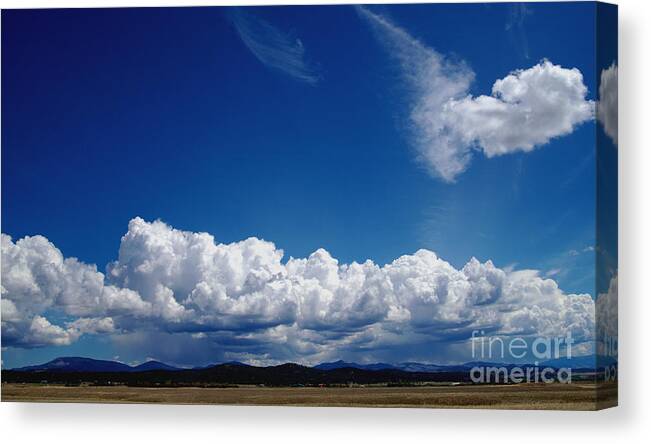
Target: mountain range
(79,364)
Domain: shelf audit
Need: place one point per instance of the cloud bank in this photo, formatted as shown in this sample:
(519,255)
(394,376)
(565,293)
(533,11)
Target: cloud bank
(525,110)
(241,298)
(607,104)
(273,47)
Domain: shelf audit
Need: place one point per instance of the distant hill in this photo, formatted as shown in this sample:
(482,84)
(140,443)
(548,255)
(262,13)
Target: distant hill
(589,361)
(577,362)
(432,368)
(413,367)
(344,364)
(153,365)
(77,364)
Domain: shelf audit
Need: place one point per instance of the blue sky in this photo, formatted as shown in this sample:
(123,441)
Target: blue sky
(299,135)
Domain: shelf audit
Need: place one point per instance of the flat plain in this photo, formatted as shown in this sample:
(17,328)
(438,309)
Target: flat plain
(522,396)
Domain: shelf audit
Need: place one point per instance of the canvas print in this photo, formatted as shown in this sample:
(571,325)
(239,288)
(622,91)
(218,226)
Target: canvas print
(355,205)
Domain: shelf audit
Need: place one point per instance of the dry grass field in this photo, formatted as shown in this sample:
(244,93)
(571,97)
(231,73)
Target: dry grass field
(523,396)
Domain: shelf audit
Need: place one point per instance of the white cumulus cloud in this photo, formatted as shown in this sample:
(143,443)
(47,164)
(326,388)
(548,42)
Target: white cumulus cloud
(607,104)
(243,300)
(606,308)
(526,109)
(36,278)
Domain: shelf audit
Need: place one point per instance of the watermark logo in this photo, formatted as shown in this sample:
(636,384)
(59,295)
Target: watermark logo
(608,351)
(486,349)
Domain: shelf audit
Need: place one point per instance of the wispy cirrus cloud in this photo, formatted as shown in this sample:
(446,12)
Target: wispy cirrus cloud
(517,15)
(526,109)
(273,47)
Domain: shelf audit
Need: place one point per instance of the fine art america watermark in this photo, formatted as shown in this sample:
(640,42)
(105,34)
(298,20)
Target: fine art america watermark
(487,349)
